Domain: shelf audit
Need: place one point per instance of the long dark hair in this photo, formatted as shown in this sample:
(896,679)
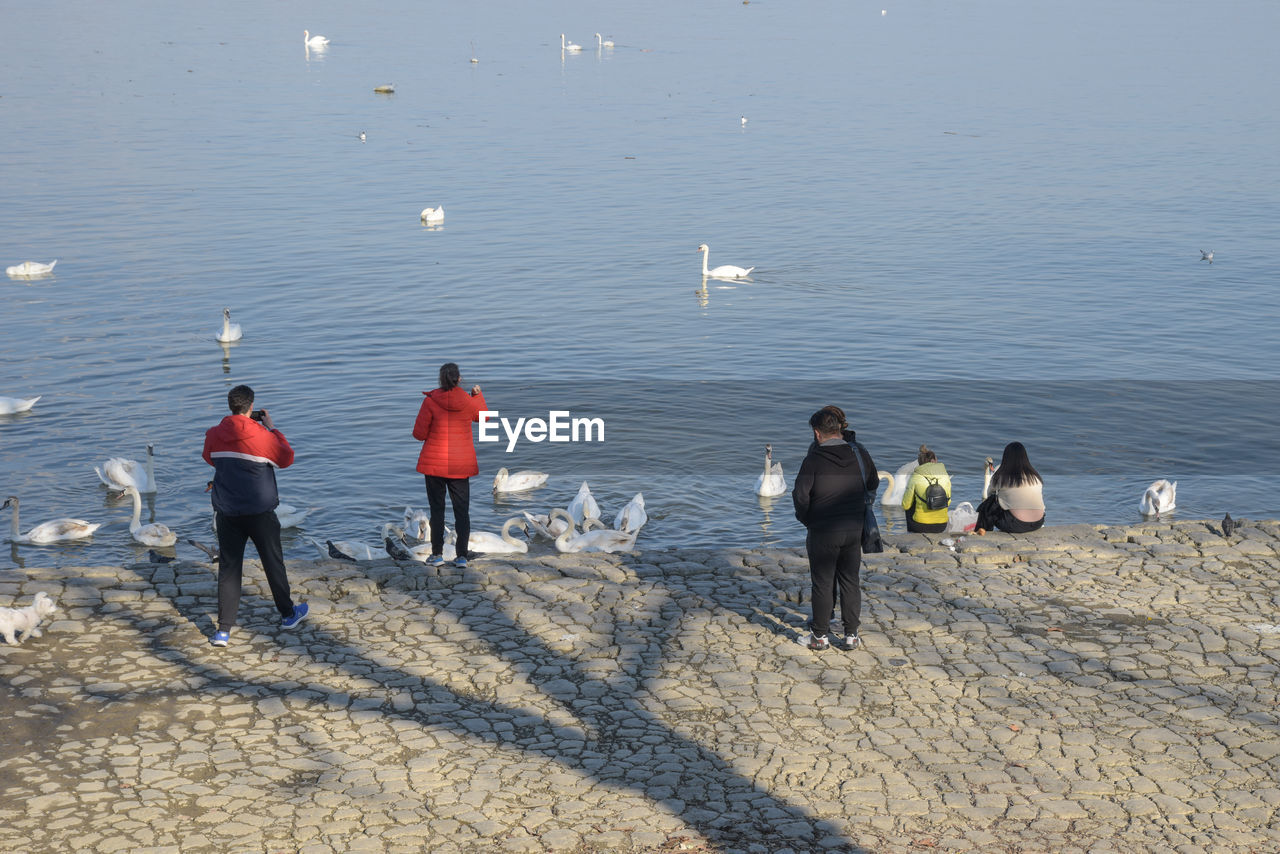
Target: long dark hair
(1015,468)
(450,376)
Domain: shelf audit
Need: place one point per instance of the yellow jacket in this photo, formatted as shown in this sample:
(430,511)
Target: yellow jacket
(913,495)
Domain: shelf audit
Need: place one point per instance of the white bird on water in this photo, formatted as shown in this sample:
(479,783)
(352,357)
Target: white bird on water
(57,531)
(897,483)
(725,271)
(569,46)
(230,331)
(120,473)
(155,534)
(30,269)
(435,214)
(521,481)
(1161,497)
(1206,256)
(10,405)
(771,483)
(605,43)
(313,41)
(583,506)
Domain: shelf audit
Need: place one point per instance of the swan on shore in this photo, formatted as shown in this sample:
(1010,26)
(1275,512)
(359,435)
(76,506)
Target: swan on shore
(521,481)
(570,46)
(30,269)
(583,506)
(230,332)
(897,484)
(435,214)
(771,483)
(601,540)
(631,517)
(119,473)
(547,525)
(1161,497)
(343,550)
(58,531)
(605,43)
(155,534)
(988,472)
(393,539)
(316,41)
(12,405)
(486,542)
(725,271)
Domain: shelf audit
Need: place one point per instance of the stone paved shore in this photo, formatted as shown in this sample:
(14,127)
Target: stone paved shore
(1077,689)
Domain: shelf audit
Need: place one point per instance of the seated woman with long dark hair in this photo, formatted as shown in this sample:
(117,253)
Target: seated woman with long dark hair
(1016,501)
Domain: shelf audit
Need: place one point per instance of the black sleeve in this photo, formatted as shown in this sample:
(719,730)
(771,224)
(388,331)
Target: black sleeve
(802,492)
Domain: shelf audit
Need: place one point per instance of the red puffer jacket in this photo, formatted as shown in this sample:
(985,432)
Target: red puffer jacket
(444,428)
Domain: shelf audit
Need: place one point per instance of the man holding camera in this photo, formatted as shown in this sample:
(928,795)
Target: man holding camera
(245,449)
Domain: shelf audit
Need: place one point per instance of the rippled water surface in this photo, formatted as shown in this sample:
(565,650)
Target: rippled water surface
(970,224)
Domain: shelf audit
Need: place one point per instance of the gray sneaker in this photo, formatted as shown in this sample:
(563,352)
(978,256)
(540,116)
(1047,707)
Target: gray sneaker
(849,643)
(817,644)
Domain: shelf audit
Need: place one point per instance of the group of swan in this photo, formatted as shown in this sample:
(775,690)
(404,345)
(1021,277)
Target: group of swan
(577,48)
(230,332)
(12,405)
(726,271)
(30,269)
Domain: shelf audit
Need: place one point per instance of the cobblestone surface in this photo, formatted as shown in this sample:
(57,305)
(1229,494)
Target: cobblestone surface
(1078,689)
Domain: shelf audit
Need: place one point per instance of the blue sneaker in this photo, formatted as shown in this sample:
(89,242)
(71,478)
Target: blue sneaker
(220,638)
(435,560)
(460,561)
(299,614)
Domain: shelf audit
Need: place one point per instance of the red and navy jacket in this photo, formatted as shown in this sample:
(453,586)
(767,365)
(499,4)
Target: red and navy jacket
(244,456)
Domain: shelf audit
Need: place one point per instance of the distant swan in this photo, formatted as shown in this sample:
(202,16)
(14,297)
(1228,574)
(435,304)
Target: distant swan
(605,43)
(230,331)
(10,405)
(30,269)
(313,41)
(521,481)
(490,543)
(1160,497)
(771,483)
(57,531)
(155,534)
(897,484)
(631,517)
(1204,256)
(726,271)
(433,214)
(583,506)
(119,473)
(571,47)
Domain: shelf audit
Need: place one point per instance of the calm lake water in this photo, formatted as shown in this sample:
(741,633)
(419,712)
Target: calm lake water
(970,224)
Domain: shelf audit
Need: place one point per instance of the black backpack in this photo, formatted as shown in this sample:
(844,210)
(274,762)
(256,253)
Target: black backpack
(935,495)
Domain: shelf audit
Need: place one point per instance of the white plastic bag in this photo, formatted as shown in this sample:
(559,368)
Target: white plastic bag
(962,518)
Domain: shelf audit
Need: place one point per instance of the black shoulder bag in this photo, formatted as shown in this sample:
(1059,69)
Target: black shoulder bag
(871,541)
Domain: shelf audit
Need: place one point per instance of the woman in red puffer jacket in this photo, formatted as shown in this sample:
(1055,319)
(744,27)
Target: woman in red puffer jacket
(448,457)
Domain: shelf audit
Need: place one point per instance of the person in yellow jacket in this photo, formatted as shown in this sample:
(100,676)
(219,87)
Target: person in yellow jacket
(928,495)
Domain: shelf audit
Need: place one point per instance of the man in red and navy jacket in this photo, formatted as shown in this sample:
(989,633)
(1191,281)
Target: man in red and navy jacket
(245,454)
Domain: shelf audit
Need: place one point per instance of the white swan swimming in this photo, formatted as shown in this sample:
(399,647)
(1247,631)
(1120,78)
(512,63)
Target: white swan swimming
(57,531)
(432,214)
(605,43)
(521,481)
(583,506)
(1161,497)
(725,271)
(547,525)
(631,517)
(154,534)
(486,542)
(771,483)
(313,41)
(11,405)
(119,473)
(601,540)
(897,484)
(343,550)
(230,332)
(30,269)
(385,89)
(570,46)
(290,516)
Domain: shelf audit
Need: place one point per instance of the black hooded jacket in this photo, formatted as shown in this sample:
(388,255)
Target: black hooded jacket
(830,494)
